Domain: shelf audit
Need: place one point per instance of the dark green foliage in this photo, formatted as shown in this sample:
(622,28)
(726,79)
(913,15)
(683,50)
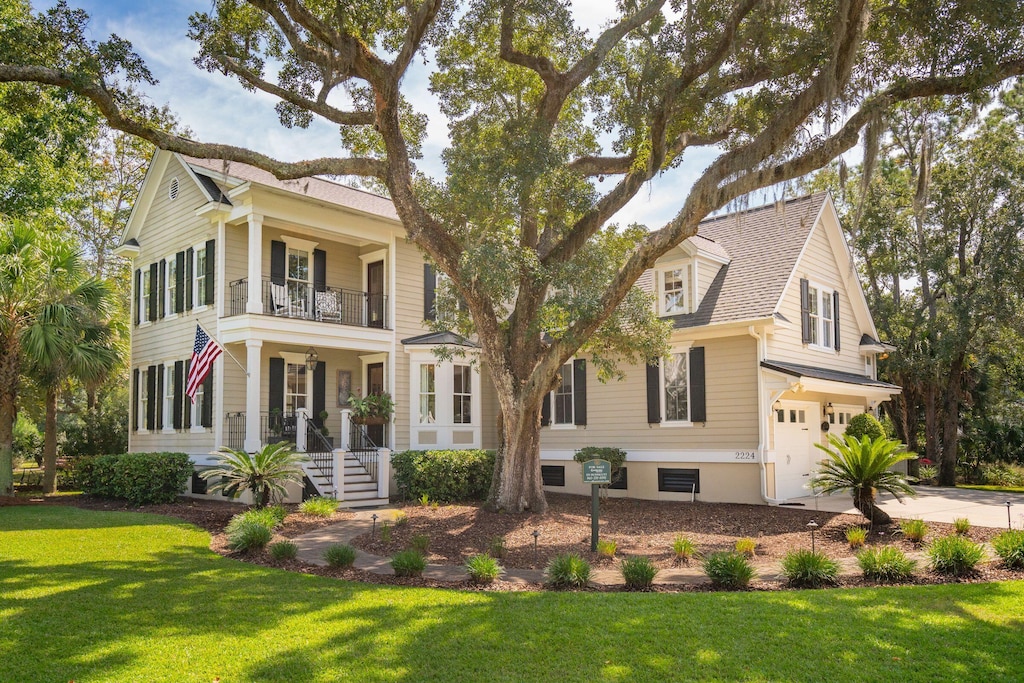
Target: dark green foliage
(807,569)
(283,550)
(341,555)
(248,533)
(408,563)
(139,478)
(638,572)
(483,568)
(955,555)
(445,476)
(863,425)
(568,571)
(28,441)
(1009,546)
(887,564)
(616,456)
(104,429)
(728,569)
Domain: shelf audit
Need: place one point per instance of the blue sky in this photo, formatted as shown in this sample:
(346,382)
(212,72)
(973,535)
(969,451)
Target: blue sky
(217,109)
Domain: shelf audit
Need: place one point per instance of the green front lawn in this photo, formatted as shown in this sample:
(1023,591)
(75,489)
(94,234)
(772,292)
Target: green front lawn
(121,596)
(989,487)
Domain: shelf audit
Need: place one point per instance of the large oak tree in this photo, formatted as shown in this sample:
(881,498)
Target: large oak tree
(551,132)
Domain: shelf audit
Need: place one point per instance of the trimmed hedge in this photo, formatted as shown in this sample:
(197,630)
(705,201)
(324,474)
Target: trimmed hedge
(444,476)
(139,478)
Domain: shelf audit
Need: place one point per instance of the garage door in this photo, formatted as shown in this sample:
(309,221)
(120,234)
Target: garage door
(795,428)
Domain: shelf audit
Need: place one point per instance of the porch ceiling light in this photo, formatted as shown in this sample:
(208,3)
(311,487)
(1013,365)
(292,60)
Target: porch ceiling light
(829,410)
(311,359)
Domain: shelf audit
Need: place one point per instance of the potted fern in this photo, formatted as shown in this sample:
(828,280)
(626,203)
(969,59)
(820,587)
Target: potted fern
(375,409)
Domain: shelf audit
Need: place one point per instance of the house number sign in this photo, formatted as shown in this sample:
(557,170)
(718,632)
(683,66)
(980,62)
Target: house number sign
(745,455)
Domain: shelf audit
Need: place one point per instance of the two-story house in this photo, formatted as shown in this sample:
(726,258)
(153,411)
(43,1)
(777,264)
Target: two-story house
(315,294)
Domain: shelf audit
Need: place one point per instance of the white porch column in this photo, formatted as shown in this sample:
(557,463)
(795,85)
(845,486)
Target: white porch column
(253,355)
(346,429)
(339,473)
(255,284)
(383,473)
(301,417)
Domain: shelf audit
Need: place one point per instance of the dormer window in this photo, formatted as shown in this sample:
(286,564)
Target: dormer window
(819,312)
(676,290)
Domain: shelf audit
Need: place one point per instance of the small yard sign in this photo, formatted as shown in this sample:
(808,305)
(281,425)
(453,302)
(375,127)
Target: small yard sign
(597,472)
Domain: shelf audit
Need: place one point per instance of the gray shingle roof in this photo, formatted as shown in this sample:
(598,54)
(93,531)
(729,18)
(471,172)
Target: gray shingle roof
(764,244)
(797,370)
(314,188)
(213,189)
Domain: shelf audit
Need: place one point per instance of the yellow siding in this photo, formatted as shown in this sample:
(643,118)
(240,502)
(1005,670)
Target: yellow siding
(706,272)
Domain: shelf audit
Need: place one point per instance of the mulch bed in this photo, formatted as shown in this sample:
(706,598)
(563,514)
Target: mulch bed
(639,527)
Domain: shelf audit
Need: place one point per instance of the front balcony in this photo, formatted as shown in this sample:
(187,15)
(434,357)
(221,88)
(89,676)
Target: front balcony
(303,301)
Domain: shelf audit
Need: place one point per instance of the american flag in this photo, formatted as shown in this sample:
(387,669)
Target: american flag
(204,352)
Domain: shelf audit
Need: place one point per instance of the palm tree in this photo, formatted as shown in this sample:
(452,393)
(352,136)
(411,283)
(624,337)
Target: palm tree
(70,339)
(863,467)
(41,274)
(264,472)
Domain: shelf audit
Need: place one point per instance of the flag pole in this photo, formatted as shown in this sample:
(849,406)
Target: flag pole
(223,348)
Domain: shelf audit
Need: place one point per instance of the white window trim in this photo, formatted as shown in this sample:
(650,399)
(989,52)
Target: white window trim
(197,307)
(665,422)
(689,282)
(169,312)
(420,394)
(473,396)
(292,358)
(197,414)
(168,397)
(550,398)
(444,425)
(143,296)
(818,319)
(143,400)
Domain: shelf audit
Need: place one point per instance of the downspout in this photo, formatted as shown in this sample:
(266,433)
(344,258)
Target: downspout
(762,413)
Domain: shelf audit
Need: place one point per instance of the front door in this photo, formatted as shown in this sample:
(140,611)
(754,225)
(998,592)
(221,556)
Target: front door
(375,294)
(375,385)
(795,427)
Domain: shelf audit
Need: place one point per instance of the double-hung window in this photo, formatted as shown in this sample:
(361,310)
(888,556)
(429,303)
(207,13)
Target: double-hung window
(820,316)
(428,394)
(144,294)
(814,312)
(295,387)
(200,276)
(676,388)
(462,394)
(143,399)
(168,397)
(172,290)
(675,290)
(562,397)
(827,319)
(298,276)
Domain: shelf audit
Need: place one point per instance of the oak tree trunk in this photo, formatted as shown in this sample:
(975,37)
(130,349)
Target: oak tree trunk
(517,485)
(50,442)
(951,423)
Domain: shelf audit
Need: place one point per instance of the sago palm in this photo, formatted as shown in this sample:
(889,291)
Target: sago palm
(863,467)
(264,472)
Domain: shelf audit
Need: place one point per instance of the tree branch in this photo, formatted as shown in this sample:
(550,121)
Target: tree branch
(418,25)
(108,106)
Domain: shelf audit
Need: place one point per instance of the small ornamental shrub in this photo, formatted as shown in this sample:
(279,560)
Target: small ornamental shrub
(482,569)
(498,548)
(728,570)
(408,563)
(400,518)
(955,555)
(385,533)
(27,442)
(1009,546)
(962,525)
(283,550)
(444,475)
(856,536)
(568,571)
(420,543)
(863,425)
(319,507)
(808,569)
(887,564)
(247,534)
(927,473)
(606,548)
(638,572)
(279,513)
(684,549)
(914,529)
(265,517)
(139,478)
(746,546)
(341,555)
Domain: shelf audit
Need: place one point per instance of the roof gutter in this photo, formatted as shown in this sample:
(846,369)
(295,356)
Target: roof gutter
(762,413)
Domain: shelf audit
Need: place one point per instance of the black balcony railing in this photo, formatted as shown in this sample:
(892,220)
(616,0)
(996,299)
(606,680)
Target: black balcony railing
(234,436)
(302,300)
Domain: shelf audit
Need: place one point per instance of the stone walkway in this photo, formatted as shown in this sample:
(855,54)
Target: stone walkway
(311,548)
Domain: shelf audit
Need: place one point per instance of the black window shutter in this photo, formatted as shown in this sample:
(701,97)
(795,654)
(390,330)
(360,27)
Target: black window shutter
(211,260)
(654,393)
(698,407)
(179,384)
(190,260)
(277,263)
(135,398)
(429,293)
(276,384)
(162,305)
(138,297)
(805,311)
(186,403)
(579,390)
(179,282)
(154,282)
(545,411)
(319,392)
(160,396)
(206,410)
(319,270)
(151,398)
(835,317)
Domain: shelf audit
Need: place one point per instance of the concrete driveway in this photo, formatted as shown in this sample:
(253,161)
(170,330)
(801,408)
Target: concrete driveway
(934,504)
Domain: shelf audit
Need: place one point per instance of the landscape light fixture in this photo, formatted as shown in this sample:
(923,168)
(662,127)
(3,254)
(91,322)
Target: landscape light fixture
(311,359)
(374,518)
(1008,504)
(812,525)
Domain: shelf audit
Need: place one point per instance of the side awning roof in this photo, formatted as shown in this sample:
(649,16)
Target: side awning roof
(833,381)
